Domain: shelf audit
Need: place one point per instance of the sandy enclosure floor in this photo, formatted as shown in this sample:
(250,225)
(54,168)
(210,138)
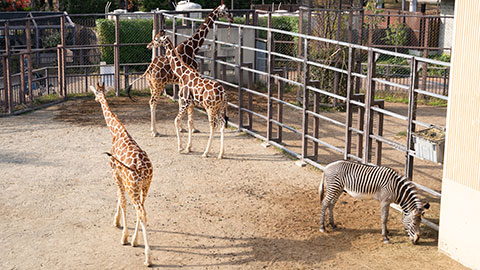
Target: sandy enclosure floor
(253,210)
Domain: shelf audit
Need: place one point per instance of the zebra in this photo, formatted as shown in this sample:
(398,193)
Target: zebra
(365,181)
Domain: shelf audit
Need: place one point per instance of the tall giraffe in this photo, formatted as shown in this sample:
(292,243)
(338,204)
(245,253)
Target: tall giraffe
(159,73)
(132,171)
(196,90)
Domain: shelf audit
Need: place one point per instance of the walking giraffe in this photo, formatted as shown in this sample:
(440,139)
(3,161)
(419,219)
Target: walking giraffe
(132,171)
(159,73)
(195,90)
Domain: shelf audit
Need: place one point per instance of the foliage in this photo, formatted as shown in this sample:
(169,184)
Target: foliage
(372,21)
(131,31)
(149,5)
(396,35)
(86,6)
(15,5)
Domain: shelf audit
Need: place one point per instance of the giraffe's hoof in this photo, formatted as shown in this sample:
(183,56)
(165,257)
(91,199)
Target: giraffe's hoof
(196,130)
(134,243)
(182,130)
(124,241)
(220,157)
(155,134)
(116,225)
(147,263)
(205,155)
(186,151)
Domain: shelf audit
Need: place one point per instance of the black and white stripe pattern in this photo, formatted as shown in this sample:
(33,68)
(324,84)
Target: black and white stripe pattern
(365,181)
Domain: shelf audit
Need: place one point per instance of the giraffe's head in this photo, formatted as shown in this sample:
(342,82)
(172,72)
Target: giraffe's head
(160,40)
(222,12)
(99,91)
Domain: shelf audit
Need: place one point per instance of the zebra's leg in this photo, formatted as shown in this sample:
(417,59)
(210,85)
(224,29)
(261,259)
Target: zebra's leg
(385,207)
(325,204)
(331,205)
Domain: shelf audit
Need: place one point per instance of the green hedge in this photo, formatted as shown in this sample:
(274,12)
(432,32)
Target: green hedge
(131,31)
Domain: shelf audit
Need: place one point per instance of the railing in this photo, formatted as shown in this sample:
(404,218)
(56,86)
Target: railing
(273,115)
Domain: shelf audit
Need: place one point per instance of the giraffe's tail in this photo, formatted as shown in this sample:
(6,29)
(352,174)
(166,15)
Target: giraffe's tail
(121,163)
(129,87)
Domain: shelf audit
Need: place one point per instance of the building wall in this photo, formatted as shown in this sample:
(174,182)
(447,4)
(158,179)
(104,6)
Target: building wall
(447,7)
(460,207)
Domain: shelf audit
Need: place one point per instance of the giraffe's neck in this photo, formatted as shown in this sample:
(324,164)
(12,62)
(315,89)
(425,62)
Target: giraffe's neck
(179,68)
(116,128)
(199,36)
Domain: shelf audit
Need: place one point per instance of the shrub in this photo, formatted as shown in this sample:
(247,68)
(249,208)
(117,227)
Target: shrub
(131,31)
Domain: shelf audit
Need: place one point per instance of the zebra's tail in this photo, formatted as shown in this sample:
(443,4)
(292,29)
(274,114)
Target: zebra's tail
(321,192)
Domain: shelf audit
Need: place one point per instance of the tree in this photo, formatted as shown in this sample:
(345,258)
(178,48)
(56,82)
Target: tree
(14,5)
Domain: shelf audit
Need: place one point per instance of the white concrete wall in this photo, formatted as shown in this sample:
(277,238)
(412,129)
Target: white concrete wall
(447,7)
(459,235)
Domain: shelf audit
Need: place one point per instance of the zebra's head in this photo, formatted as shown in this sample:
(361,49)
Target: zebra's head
(411,222)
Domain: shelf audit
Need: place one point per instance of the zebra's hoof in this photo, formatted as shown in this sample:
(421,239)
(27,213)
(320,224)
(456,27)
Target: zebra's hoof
(386,241)
(322,229)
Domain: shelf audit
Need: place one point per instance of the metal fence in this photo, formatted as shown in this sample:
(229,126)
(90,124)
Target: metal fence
(261,93)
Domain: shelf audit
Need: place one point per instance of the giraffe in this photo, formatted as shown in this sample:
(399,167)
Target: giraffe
(196,90)
(132,172)
(159,73)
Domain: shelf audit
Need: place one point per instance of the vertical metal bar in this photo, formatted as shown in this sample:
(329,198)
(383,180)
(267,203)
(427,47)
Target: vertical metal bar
(269,77)
(86,79)
(360,123)
(60,67)
(250,98)
(22,92)
(369,98)
(281,85)
(316,122)
(412,114)
(255,36)
(336,75)
(348,105)
(162,26)
(29,59)
(126,76)
(62,48)
(378,150)
(117,56)
(240,77)
(8,87)
(47,81)
(215,51)
(305,71)
(155,32)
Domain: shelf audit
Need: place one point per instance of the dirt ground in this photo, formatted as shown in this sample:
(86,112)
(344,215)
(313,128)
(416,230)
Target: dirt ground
(253,210)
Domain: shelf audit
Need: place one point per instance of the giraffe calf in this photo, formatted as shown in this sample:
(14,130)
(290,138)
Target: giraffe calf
(132,172)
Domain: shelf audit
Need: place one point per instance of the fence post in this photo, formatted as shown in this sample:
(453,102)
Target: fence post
(378,150)
(60,67)
(445,85)
(412,114)
(47,80)
(250,97)
(126,79)
(269,76)
(162,26)
(174,40)
(281,88)
(240,77)
(215,51)
(348,105)
(155,32)
(21,93)
(369,99)
(29,60)
(6,74)
(62,48)
(116,77)
(86,80)
(305,99)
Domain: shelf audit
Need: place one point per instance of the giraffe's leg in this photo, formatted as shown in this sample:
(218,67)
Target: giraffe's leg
(116,220)
(124,239)
(156,92)
(178,119)
(222,131)
(190,128)
(212,130)
(143,223)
